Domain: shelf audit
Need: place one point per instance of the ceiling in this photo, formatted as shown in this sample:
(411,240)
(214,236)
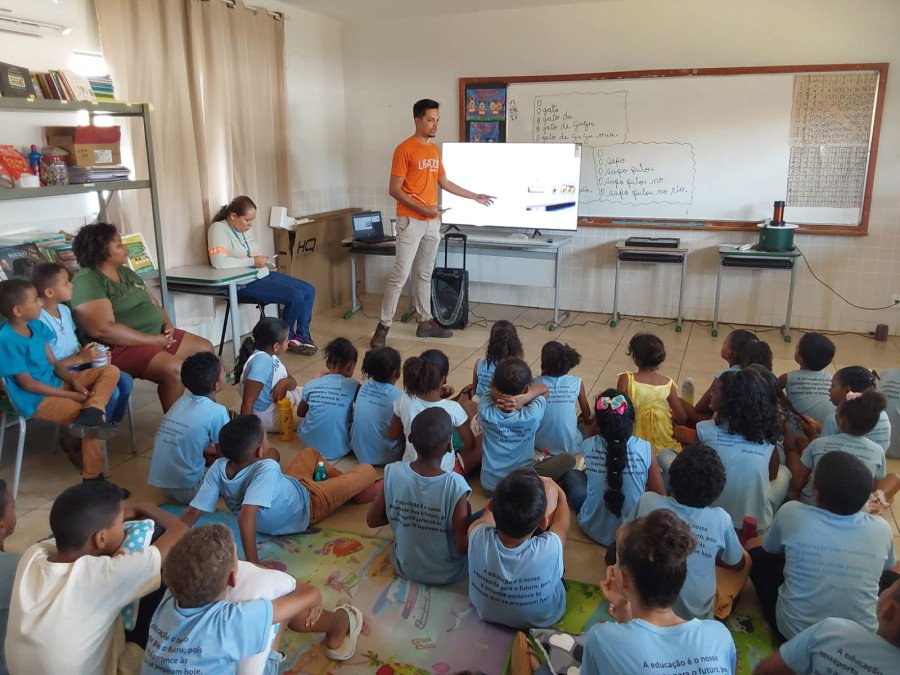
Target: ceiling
(393,9)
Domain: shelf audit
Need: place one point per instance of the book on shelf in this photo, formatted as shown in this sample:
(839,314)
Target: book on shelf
(15,81)
(139,259)
(60,253)
(18,261)
(78,85)
(98,174)
(103,88)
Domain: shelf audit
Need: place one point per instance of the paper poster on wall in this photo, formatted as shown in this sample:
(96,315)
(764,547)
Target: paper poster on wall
(486,103)
(485,132)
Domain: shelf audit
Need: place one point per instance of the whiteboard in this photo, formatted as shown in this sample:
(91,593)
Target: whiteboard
(720,148)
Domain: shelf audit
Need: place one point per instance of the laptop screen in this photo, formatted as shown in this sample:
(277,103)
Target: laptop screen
(367,224)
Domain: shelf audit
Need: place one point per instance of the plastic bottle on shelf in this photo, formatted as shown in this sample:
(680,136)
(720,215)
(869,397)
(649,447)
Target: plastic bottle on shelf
(286,419)
(320,474)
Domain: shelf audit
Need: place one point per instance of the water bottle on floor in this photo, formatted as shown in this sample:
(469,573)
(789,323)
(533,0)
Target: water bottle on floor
(320,474)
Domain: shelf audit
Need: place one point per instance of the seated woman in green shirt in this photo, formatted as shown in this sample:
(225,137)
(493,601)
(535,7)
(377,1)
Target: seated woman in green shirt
(112,306)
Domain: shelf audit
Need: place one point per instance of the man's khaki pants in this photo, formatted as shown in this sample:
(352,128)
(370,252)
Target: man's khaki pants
(417,244)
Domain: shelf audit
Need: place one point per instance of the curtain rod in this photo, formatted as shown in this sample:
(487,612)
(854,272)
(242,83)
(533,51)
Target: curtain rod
(278,16)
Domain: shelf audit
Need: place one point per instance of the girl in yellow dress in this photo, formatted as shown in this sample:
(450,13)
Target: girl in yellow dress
(655,396)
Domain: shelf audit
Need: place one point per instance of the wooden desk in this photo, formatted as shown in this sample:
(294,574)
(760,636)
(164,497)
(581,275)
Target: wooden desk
(652,255)
(207,280)
(781,260)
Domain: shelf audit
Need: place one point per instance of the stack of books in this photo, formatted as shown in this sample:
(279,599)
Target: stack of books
(98,174)
(103,88)
(63,85)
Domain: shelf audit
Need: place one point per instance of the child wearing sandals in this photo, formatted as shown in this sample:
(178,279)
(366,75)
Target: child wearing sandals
(642,588)
(619,467)
(197,629)
(655,396)
(265,379)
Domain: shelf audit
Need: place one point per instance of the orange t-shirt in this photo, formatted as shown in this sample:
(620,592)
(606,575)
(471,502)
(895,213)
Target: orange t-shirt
(419,165)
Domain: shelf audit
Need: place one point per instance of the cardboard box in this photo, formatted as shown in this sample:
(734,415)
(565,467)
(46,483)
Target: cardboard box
(317,256)
(87,146)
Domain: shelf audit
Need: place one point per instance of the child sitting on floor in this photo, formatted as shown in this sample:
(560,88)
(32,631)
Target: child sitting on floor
(54,288)
(843,646)
(265,379)
(807,388)
(642,588)
(374,408)
(426,507)
(823,561)
(509,431)
(65,615)
(187,440)
(850,380)
(744,433)
(619,467)
(558,431)
(515,574)
(732,346)
(8,563)
(655,397)
(196,629)
(889,385)
(856,416)
(422,384)
(696,479)
(502,343)
(328,402)
(39,386)
(265,500)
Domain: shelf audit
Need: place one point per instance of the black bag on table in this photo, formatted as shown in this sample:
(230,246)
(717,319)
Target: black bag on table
(450,290)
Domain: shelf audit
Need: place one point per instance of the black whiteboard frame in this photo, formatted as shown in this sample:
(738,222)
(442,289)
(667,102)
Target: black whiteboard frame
(859,230)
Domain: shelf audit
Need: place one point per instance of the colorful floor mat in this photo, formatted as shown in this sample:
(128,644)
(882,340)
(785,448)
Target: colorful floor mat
(411,629)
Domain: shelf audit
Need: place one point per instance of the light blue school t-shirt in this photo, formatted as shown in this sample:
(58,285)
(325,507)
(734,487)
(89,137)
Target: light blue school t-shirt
(420,512)
(839,646)
(372,415)
(207,639)
(558,431)
(518,587)
(326,426)
(889,385)
(484,372)
(640,647)
(881,434)
(260,368)
(283,502)
(64,342)
(190,426)
(595,518)
(869,453)
(18,355)
(807,390)
(832,565)
(746,474)
(715,537)
(508,440)
(8,564)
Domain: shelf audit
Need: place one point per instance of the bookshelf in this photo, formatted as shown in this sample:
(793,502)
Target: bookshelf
(135,110)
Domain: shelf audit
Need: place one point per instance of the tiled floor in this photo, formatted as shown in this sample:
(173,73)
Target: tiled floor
(691,353)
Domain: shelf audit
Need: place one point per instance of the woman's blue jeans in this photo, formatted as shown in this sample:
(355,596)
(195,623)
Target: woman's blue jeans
(296,295)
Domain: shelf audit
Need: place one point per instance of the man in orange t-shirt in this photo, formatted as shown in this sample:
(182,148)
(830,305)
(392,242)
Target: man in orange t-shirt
(416,174)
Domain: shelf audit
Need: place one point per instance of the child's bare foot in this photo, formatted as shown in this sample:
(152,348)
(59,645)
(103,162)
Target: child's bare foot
(334,638)
(341,642)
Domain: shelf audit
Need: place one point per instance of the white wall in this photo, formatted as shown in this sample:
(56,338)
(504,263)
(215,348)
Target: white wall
(390,64)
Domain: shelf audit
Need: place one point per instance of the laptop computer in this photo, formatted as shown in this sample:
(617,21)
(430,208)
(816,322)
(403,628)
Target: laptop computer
(368,228)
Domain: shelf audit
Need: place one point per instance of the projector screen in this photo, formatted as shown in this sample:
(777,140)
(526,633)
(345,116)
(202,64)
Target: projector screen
(535,184)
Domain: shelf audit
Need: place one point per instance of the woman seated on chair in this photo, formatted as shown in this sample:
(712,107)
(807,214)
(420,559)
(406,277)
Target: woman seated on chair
(112,306)
(231,244)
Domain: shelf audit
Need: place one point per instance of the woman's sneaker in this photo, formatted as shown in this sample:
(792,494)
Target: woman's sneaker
(304,346)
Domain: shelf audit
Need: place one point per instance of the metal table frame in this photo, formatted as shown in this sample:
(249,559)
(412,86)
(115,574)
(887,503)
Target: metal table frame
(663,256)
(747,259)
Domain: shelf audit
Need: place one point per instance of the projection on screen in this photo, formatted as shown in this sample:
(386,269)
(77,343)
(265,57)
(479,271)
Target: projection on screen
(535,184)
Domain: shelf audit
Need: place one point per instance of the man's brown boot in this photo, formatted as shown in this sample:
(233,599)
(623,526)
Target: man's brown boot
(433,330)
(380,336)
